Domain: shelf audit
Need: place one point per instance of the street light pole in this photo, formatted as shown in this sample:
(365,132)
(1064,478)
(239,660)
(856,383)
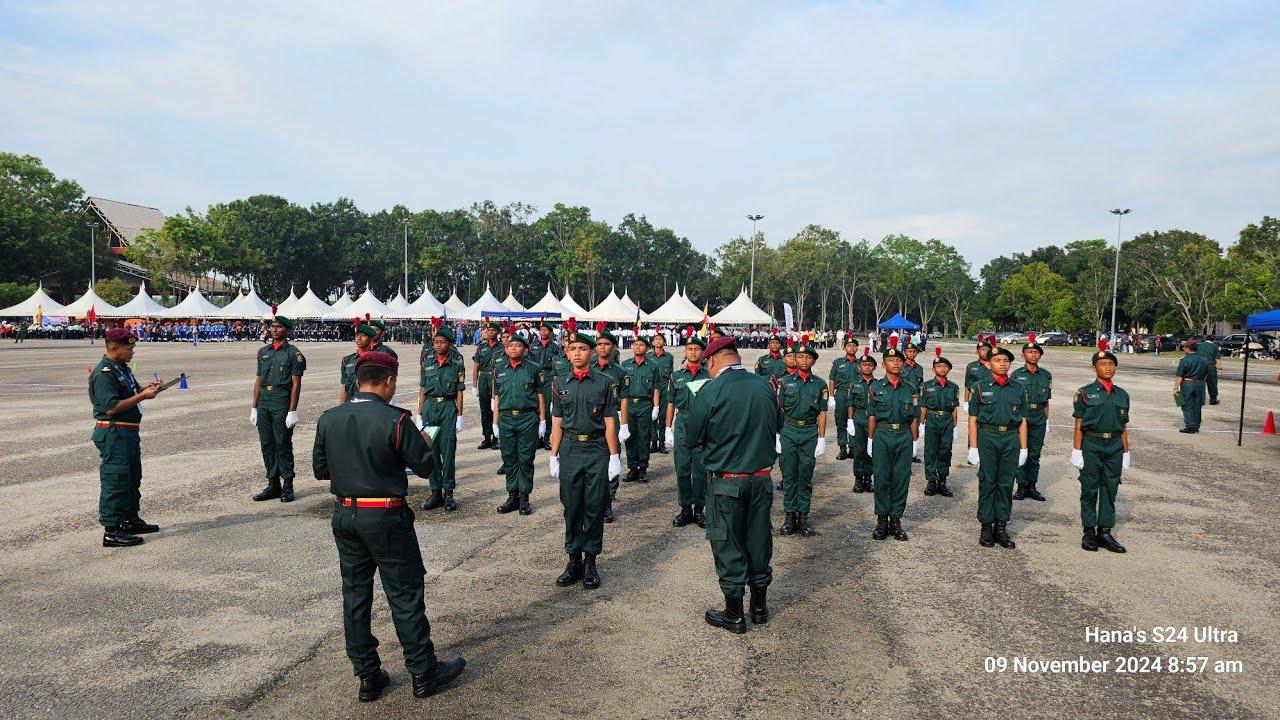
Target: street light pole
(93,254)
(754,235)
(1115,280)
(406,254)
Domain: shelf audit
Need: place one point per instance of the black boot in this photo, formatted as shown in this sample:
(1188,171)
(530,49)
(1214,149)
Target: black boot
(1020,493)
(895,527)
(882,528)
(988,537)
(115,536)
(449,503)
(931,488)
(1033,493)
(372,685)
(572,572)
(1089,541)
(643,475)
(286,490)
(525,507)
(857,483)
(684,518)
(868,484)
(138,526)
(943,490)
(662,446)
(501,470)
(915,460)
(631,475)
(730,618)
(429,683)
(844,453)
(435,500)
(608,511)
(485,444)
(590,576)
(653,446)
(270,492)
(759,606)
(1002,536)
(806,529)
(1106,542)
(788,524)
(512,503)
(699,516)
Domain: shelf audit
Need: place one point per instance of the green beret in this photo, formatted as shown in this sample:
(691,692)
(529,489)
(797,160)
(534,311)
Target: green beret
(606,335)
(547,324)
(579,337)
(517,337)
(445,332)
(367,329)
(1103,355)
(377,322)
(287,322)
(998,350)
(695,340)
(807,349)
(944,361)
(492,325)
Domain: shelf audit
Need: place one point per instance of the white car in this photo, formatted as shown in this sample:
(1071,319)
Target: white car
(1011,338)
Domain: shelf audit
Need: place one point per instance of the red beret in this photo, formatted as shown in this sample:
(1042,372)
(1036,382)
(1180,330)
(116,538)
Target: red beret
(720,342)
(122,336)
(378,359)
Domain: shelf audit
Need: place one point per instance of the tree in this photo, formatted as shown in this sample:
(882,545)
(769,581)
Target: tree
(853,262)
(185,245)
(1090,269)
(12,293)
(1181,271)
(114,290)
(1252,270)
(1030,294)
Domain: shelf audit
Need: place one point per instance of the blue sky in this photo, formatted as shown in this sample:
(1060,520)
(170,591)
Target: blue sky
(990,125)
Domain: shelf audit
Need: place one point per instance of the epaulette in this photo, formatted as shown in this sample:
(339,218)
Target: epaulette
(397,407)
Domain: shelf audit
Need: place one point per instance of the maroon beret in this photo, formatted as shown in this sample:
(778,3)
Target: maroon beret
(720,342)
(122,336)
(378,359)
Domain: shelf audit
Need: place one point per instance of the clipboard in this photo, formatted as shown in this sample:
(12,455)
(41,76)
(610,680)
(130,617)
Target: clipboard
(166,385)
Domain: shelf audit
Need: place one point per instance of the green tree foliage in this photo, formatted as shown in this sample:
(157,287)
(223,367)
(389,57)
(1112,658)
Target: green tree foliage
(1177,274)
(1032,293)
(12,293)
(1252,270)
(114,290)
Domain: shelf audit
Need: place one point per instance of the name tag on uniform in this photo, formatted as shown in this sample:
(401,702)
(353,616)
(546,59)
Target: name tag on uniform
(988,394)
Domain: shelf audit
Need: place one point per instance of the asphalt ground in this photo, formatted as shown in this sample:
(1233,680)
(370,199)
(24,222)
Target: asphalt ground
(233,609)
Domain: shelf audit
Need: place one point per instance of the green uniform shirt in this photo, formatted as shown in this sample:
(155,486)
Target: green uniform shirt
(613,370)
(382,347)
(443,380)
(889,404)
(843,372)
(936,396)
(639,379)
(429,355)
(666,365)
(1209,350)
(913,374)
(678,391)
(975,372)
(347,373)
(1194,366)
(802,399)
(109,383)
(734,418)
(486,355)
(517,387)
(582,404)
(1099,410)
(996,404)
(277,368)
(1038,384)
(770,366)
(860,395)
(549,356)
(363,446)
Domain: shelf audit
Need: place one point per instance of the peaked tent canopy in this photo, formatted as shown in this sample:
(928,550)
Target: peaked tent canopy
(90,299)
(633,307)
(343,302)
(677,309)
(486,306)
(897,322)
(398,302)
(307,307)
(424,308)
(287,307)
(195,305)
(611,309)
(455,306)
(512,303)
(568,303)
(142,305)
(741,312)
(366,304)
(550,305)
(248,307)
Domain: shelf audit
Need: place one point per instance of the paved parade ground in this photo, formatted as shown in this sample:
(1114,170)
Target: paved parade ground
(233,608)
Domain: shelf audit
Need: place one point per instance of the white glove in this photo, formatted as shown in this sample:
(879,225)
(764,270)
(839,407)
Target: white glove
(653,415)
(475,391)
(955,434)
(1077,458)
(495,430)
(542,428)
(555,467)
(831,403)
(417,422)
(1022,457)
(1125,462)
(777,444)
(615,465)
(849,427)
(457,424)
(671,437)
(915,448)
(624,432)
(973,457)
(291,419)
(869,443)
(253,415)
(821,448)
(921,428)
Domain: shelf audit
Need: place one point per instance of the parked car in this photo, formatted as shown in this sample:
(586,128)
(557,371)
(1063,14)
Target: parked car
(1013,338)
(1084,339)
(1148,343)
(1234,344)
(1052,339)
(984,333)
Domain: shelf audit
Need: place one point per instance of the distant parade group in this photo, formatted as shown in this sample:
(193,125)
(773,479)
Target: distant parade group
(562,389)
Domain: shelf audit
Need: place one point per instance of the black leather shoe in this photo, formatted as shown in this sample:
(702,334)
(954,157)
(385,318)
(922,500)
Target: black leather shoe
(138,526)
(857,483)
(931,488)
(684,517)
(1187,430)
(485,444)
(525,507)
(1002,536)
(608,511)
(431,682)
(643,475)
(1213,402)
(699,516)
(1034,494)
(114,536)
(788,524)
(1020,493)
(844,453)
(915,460)
(662,448)
(868,484)
(590,576)
(988,536)
(286,491)
(631,475)
(1106,542)
(943,490)
(759,606)
(512,503)
(1089,541)
(730,618)
(270,492)
(501,471)
(895,527)
(372,685)
(572,572)
(434,500)
(882,528)
(806,528)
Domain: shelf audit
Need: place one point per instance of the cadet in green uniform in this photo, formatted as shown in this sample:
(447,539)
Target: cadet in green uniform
(771,365)
(1192,370)
(362,448)
(606,346)
(912,371)
(735,419)
(639,395)
(521,415)
(1209,349)
(856,423)
(275,408)
(117,414)
(843,372)
(978,370)
(379,342)
(550,357)
(666,365)
(1101,450)
(997,445)
(939,400)
(365,335)
(1038,383)
(893,408)
(691,474)
(440,405)
(488,353)
(584,453)
(802,438)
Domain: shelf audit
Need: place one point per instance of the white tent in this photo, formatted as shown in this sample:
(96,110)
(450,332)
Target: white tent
(425,307)
(343,302)
(742,312)
(195,305)
(551,306)
(248,307)
(455,306)
(486,306)
(678,309)
(142,305)
(286,308)
(366,304)
(571,305)
(633,307)
(307,307)
(90,299)
(511,303)
(38,300)
(612,309)
(398,302)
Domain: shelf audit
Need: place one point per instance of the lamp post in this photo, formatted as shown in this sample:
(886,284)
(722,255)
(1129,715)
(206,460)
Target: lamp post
(1115,279)
(753,219)
(93,252)
(406,254)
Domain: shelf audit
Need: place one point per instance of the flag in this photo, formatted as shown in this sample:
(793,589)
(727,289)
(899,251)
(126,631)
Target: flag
(91,316)
(702,332)
(39,316)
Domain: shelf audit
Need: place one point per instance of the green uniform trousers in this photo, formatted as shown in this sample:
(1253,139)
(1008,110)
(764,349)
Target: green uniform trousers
(842,412)
(892,467)
(691,475)
(862,466)
(584,493)
(1192,402)
(1100,480)
(382,539)
(741,532)
(547,397)
(276,439)
(518,438)
(484,396)
(638,414)
(938,439)
(119,474)
(1211,382)
(1037,426)
(444,448)
(997,468)
(616,480)
(796,463)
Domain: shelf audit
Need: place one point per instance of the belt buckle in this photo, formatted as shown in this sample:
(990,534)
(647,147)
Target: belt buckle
(514,412)
(1106,436)
(1002,428)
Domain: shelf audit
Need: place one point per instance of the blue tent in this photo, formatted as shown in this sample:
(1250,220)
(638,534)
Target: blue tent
(897,322)
(1268,320)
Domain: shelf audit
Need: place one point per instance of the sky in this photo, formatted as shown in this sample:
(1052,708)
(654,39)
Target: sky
(993,126)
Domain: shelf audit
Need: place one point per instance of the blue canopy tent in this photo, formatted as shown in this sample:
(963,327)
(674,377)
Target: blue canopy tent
(897,322)
(1268,320)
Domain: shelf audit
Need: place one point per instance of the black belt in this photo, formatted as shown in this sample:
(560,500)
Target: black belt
(588,437)
(484,372)
(892,426)
(998,428)
(1186,379)
(518,411)
(1102,435)
(800,423)
(946,413)
(1034,406)
(269,388)
(441,398)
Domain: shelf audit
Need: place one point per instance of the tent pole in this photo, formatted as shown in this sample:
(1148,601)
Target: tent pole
(1244,384)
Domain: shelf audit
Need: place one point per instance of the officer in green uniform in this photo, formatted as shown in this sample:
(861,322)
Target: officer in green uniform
(521,412)
(488,353)
(365,335)
(117,414)
(1189,381)
(735,419)
(1038,382)
(275,408)
(440,405)
(606,346)
(771,365)
(362,448)
(856,422)
(802,438)
(691,474)
(639,395)
(666,365)
(379,342)
(843,371)
(893,407)
(997,445)
(1101,450)
(584,453)
(550,356)
(978,370)
(1209,349)
(939,400)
